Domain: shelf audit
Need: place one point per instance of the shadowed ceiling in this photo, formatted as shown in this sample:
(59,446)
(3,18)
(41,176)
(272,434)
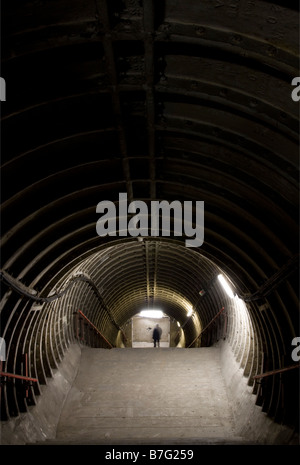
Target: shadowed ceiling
(164,100)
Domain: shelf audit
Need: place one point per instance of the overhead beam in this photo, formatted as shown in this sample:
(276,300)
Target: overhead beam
(102,11)
(148,24)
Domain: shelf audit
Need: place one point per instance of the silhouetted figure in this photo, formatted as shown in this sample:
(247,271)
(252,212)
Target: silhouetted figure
(156,335)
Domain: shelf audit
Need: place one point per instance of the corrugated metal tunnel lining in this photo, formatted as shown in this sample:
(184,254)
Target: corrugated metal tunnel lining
(117,282)
(164,101)
(134,276)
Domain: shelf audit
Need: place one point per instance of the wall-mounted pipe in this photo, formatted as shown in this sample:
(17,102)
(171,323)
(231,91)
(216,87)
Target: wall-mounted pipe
(31,293)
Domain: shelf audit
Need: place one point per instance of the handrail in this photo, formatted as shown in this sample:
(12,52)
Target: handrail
(94,327)
(204,329)
(12,375)
(274,372)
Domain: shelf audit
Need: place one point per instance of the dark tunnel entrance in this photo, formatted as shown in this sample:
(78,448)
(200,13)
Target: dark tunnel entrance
(91,303)
(180,101)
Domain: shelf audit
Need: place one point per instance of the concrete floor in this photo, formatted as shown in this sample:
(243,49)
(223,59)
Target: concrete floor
(148,396)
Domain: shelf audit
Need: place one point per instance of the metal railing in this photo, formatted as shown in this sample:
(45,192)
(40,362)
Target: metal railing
(207,326)
(13,375)
(94,328)
(275,372)
(28,379)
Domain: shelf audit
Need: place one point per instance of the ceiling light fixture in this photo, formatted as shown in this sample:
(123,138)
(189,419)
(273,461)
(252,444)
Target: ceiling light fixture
(189,310)
(226,286)
(152,313)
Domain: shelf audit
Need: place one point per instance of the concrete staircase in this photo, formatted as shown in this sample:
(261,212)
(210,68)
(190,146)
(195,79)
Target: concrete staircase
(148,396)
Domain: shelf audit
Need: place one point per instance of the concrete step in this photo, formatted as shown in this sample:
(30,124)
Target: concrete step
(144,396)
(209,441)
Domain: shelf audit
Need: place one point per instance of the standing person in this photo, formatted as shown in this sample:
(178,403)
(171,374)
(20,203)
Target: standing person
(156,335)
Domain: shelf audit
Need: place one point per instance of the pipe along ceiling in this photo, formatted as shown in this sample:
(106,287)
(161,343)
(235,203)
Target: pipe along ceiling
(161,100)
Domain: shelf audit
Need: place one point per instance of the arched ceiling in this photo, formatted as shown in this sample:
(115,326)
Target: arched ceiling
(128,277)
(167,100)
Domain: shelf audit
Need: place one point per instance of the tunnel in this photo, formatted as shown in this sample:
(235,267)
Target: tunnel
(177,101)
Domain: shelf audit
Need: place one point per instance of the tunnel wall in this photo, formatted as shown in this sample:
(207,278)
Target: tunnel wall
(194,104)
(245,351)
(250,421)
(252,335)
(40,422)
